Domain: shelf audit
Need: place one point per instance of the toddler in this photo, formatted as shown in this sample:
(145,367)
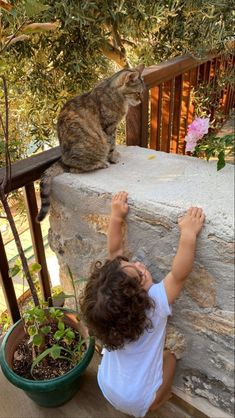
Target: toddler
(128,313)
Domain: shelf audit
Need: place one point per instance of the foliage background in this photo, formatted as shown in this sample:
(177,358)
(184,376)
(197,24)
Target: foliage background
(84,41)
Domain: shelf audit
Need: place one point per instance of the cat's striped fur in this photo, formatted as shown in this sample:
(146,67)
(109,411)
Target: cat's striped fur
(87,128)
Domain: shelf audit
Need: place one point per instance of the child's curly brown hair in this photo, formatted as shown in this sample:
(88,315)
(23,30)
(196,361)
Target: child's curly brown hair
(115,305)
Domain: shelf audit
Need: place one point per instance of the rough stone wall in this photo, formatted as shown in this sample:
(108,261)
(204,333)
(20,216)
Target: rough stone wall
(161,187)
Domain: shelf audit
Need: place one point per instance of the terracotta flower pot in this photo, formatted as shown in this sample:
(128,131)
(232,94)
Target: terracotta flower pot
(47,393)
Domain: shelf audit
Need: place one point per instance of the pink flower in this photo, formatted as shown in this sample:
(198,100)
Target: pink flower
(196,130)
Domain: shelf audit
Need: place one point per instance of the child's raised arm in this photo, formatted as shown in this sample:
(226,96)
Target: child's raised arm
(119,210)
(190,225)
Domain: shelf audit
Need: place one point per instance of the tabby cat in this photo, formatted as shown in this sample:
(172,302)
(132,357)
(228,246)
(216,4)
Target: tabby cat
(87,126)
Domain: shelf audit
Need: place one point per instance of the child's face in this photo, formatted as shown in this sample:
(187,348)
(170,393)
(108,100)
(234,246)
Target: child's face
(139,271)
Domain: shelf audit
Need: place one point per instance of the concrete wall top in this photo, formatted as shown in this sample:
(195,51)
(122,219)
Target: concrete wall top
(165,183)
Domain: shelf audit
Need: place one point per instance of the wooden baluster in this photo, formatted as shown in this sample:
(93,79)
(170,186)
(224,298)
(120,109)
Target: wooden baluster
(215,69)
(208,71)
(7,285)
(229,89)
(137,123)
(193,82)
(37,241)
(133,126)
(165,139)
(153,117)
(184,113)
(216,96)
(159,131)
(144,142)
(177,113)
(156,117)
(227,102)
(194,75)
(231,103)
(224,92)
(171,118)
(203,72)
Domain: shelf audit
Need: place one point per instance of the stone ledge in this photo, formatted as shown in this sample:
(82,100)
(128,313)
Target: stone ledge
(159,181)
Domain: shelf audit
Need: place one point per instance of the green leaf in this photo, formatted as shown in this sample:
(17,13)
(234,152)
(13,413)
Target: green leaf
(55,351)
(32,330)
(62,296)
(45,330)
(221,161)
(34,7)
(37,340)
(3,64)
(56,313)
(40,358)
(35,268)
(58,335)
(13,271)
(61,325)
(70,335)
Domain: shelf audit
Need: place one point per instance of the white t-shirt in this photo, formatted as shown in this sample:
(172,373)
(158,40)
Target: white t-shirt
(129,377)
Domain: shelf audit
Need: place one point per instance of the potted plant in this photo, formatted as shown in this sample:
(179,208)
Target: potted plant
(48,349)
(55,391)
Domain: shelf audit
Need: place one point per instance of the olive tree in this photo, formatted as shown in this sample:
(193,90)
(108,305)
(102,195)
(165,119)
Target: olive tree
(51,50)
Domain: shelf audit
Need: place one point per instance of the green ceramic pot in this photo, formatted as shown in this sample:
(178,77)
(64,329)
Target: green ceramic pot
(47,393)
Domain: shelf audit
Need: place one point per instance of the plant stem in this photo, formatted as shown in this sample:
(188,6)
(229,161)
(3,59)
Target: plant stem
(74,289)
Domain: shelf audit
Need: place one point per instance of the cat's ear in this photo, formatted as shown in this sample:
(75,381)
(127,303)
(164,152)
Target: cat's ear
(133,75)
(139,68)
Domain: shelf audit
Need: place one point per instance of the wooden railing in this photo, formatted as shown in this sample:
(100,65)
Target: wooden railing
(24,173)
(159,122)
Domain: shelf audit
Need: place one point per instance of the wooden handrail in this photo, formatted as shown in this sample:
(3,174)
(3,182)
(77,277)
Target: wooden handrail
(24,173)
(30,169)
(161,120)
(159,73)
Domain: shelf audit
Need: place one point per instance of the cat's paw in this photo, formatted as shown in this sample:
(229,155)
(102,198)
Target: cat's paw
(73,170)
(105,165)
(114,157)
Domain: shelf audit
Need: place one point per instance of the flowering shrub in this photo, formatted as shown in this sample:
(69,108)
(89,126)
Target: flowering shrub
(198,128)
(202,143)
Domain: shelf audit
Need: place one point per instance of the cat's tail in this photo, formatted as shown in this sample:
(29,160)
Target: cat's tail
(45,188)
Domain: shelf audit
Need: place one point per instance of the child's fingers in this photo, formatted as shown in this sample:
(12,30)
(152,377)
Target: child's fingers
(117,196)
(202,217)
(122,195)
(199,212)
(195,211)
(189,211)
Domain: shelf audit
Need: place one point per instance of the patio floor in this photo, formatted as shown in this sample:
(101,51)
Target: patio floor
(90,403)
(87,403)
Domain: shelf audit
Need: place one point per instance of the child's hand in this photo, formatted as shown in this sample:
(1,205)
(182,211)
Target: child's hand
(191,223)
(119,205)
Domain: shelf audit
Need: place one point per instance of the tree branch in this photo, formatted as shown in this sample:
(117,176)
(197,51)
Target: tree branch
(114,54)
(12,37)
